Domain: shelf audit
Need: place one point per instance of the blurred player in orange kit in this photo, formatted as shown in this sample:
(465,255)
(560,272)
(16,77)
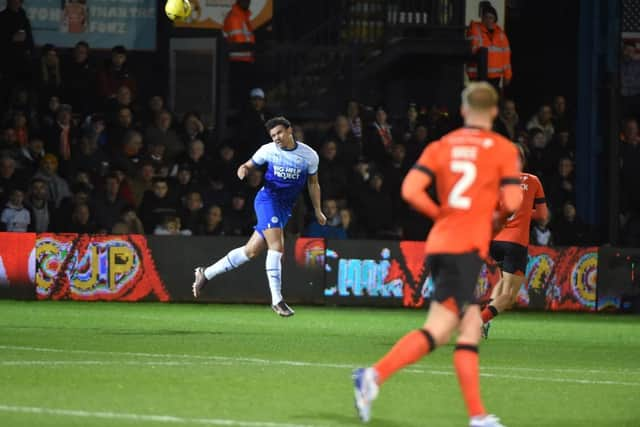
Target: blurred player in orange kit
(472,168)
(509,246)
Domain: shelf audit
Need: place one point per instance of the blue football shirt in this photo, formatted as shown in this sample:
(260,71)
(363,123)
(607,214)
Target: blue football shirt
(287,170)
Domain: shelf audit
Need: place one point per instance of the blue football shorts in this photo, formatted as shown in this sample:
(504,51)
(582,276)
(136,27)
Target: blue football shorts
(270,214)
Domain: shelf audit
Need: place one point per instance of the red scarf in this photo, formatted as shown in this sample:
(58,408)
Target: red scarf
(22,136)
(385,134)
(65,147)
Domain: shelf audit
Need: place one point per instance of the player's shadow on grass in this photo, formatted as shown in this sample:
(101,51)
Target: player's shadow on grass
(344,419)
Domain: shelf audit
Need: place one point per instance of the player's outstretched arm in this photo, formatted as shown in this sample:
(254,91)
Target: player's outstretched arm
(540,210)
(414,191)
(313,185)
(540,213)
(510,189)
(510,195)
(244,169)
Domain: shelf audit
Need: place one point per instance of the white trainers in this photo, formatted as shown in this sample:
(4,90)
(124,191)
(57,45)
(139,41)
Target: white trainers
(198,282)
(366,390)
(488,420)
(283,309)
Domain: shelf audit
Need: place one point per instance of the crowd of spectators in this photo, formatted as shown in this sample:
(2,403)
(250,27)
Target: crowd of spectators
(629,148)
(629,178)
(81,152)
(364,156)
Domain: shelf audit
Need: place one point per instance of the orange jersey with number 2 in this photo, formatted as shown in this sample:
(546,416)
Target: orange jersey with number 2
(468,165)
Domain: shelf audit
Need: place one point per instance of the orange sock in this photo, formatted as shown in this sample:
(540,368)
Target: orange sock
(465,360)
(409,349)
(489,313)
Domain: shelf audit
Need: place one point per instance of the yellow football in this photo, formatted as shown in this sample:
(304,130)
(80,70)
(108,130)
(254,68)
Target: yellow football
(177,10)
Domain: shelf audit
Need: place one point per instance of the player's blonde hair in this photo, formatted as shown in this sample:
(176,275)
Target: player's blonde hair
(479,96)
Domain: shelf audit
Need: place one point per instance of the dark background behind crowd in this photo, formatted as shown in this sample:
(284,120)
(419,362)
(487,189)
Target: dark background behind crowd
(87,146)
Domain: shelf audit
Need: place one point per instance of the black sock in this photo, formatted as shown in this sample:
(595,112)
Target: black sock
(493,310)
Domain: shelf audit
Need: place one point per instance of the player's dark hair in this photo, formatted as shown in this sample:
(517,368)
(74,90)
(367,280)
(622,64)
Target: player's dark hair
(277,121)
(37,180)
(126,209)
(328,141)
(169,218)
(81,187)
(112,174)
(535,131)
(119,49)
(504,102)
(157,179)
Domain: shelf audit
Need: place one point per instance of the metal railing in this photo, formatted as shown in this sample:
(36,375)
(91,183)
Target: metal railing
(324,58)
(375,21)
(306,73)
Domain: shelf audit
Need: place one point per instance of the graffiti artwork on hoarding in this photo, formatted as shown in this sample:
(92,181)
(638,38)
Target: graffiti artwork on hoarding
(584,278)
(85,267)
(539,270)
(556,279)
(418,284)
(487,279)
(363,277)
(411,271)
(400,272)
(573,279)
(310,252)
(17,259)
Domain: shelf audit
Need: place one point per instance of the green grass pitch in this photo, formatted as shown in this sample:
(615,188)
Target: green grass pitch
(118,364)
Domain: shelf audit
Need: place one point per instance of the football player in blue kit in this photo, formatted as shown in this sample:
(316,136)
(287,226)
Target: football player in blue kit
(289,165)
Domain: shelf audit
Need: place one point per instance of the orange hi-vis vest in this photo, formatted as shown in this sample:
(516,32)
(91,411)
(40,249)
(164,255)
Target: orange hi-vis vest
(237,29)
(499,52)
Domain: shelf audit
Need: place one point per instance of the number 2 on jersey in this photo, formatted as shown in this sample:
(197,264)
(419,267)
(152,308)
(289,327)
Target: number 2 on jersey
(468,171)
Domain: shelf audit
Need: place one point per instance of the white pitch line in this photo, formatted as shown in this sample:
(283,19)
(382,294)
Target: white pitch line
(579,371)
(47,363)
(143,418)
(522,377)
(183,356)
(237,360)
(299,363)
(562,380)
(104,362)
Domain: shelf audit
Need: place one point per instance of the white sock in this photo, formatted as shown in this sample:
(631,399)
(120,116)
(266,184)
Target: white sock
(235,258)
(274,274)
